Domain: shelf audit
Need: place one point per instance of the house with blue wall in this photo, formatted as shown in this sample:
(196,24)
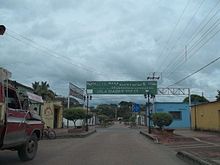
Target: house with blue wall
(179,111)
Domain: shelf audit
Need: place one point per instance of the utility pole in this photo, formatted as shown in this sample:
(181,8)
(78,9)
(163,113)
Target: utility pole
(147,94)
(87,98)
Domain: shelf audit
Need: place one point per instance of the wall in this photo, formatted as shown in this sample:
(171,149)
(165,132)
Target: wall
(180,107)
(206,116)
(47,114)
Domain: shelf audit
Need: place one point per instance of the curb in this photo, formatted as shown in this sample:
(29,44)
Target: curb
(149,136)
(191,159)
(80,135)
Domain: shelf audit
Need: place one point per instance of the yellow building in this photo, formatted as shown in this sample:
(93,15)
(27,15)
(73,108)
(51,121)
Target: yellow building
(206,116)
(52,114)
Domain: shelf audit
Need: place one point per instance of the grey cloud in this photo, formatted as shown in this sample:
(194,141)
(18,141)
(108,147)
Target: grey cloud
(103,40)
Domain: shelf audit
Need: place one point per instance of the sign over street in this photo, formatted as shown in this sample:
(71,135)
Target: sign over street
(122,87)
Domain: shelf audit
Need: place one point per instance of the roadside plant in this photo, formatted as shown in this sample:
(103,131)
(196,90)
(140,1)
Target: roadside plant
(162,119)
(132,121)
(74,114)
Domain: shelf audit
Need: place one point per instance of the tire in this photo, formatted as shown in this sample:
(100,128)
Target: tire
(28,151)
(51,134)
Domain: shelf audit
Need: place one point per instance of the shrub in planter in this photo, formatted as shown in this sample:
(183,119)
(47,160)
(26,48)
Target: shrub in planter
(162,119)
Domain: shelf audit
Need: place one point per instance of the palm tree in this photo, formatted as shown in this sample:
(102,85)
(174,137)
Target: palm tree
(43,90)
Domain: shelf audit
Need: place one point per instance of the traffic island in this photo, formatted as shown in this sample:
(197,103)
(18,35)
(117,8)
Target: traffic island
(71,133)
(163,137)
(150,136)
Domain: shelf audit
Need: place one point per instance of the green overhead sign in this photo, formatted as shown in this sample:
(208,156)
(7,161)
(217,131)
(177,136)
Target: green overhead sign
(121,87)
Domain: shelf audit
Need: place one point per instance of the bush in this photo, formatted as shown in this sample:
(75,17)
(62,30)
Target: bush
(132,121)
(162,119)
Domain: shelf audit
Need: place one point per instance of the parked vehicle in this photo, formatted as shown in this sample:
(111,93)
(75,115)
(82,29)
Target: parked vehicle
(20,128)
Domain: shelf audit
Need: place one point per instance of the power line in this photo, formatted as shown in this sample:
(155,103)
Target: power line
(184,30)
(48,51)
(196,33)
(195,71)
(197,50)
(196,43)
(172,33)
(200,40)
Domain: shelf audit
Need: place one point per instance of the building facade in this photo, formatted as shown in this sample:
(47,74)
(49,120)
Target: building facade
(206,116)
(52,114)
(179,111)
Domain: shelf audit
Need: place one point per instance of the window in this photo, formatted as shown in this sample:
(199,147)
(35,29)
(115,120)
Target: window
(159,110)
(177,115)
(12,99)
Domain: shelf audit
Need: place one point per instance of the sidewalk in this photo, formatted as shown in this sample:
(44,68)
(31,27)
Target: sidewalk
(192,146)
(211,153)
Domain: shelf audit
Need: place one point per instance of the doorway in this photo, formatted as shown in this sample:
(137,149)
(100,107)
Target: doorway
(219,120)
(55,120)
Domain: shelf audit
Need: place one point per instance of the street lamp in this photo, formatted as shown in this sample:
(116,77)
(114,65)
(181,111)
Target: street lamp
(147,95)
(2,29)
(87,97)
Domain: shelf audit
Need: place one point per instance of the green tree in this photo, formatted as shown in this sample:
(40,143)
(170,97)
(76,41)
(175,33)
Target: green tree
(162,119)
(106,109)
(218,95)
(74,114)
(196,99)
(43,90)
(103,119)
(132,120)
(125,110)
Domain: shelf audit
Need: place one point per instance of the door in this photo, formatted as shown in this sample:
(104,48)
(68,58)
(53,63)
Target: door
(15,120)
(55,121)
(219,120)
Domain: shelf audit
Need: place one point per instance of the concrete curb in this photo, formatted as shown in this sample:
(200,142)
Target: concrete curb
(72,135)
(191,159)
(149,136)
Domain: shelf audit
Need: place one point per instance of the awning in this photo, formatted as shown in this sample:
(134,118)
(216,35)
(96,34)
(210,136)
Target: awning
(35,97)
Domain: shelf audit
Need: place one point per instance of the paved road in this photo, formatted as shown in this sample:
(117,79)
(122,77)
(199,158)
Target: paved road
(116,145)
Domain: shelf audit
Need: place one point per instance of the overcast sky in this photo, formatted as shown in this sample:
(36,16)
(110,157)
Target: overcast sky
(87,40)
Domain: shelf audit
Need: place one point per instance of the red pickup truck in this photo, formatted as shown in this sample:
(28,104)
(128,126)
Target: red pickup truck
(20,128)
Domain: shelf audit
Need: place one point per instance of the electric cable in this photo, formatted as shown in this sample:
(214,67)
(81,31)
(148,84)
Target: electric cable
(172,33)
(196,50)
(213,61)
(196,33)
(184,30)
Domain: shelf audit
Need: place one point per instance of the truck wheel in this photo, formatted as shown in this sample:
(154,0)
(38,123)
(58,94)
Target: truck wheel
(29,149)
